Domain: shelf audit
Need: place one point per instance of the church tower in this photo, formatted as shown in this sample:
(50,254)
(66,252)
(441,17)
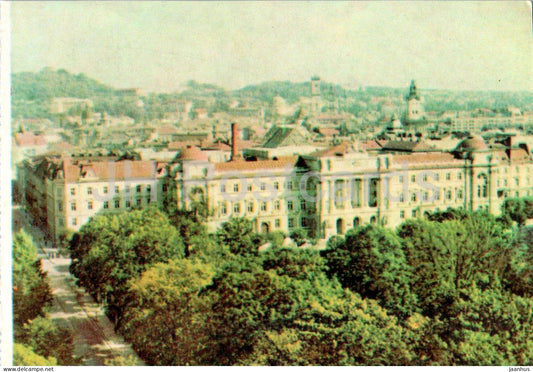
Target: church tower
(315,95)
(415,111)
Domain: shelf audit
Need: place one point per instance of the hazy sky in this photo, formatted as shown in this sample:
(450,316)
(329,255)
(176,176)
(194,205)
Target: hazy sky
(159,45)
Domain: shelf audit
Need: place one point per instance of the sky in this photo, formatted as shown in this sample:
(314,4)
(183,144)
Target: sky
(158,46)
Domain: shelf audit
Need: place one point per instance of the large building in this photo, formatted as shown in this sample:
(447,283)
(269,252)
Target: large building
(62,193)
(333,190)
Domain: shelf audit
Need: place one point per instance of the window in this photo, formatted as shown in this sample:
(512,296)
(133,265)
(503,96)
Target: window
(263,206)
(148,200)
(73,206)
(425,196)
(250,207)
(222,188)
(303,205)
(117,189)
(89,190)
(249,187)
(223,208)
(61,222)
(402,198)
(277,222)
(263,186)
(237,208)
(291,223)
(72,191)
(165,188)
(128,204)
(303,222)
(413,213)
(402,214)
(276,185)
(425,177)
(148,188)
(449,195)
(460,193)
(89,205)
(290,206)
(459,176)
(413,178)
(289,185)
(74,221)
(60,207)
(236,187)
(437,176)
(138,202)
(413,197)
(277,205)
(128,189)
(401,179)
(138,188)
(106,205)
(448,176)
(106,189)
(117,203)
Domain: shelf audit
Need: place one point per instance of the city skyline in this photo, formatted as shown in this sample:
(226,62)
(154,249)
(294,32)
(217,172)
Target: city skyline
(157,47)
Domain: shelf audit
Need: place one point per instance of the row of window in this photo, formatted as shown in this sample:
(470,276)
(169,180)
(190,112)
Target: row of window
(105,189)
(262,186)
(116,203)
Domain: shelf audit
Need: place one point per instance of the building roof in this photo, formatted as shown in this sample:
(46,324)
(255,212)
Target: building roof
(107,170)
(29,139)
(472,143)
(435,158)
(406,146)
(337,150)
(166,130)
(241,165)
(192,153)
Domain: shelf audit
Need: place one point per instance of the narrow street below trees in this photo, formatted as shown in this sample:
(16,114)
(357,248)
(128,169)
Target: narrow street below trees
(94,338)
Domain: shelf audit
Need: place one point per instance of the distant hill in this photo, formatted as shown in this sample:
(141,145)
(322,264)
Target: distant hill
(268,90)
(47,83)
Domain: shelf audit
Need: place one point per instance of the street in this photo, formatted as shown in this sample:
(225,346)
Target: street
(73,309)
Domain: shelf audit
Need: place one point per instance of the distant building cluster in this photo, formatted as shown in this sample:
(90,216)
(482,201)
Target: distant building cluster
(308,172)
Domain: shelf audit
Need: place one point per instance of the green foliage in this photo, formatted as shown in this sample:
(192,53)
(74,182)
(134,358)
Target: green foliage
(518,210)
(519,274)
(276,238)
(166,298)
(48,83)
(111,249)
(431,293)
(25,356)
(299,235)
(370,261)
(121,361)
(31,287)
(237,234)
(451,255)
(42,335)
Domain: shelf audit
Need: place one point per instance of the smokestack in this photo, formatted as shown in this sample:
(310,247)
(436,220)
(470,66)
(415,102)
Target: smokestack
(234,139)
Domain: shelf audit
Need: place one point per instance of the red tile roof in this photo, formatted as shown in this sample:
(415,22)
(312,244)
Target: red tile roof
(241,165)
(108,170)
(426,158)
(29,139)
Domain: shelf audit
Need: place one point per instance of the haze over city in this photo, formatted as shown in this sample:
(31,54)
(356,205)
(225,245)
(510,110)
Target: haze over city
(159,46)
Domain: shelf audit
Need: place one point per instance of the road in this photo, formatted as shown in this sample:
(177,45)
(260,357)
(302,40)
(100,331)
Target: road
(93,335)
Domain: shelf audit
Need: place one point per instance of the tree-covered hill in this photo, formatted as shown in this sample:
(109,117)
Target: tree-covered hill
(47,83)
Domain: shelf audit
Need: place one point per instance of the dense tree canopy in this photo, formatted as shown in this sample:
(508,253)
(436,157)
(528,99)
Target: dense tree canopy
(433,292)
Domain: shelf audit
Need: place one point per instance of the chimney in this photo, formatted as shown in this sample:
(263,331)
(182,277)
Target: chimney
(234,139)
